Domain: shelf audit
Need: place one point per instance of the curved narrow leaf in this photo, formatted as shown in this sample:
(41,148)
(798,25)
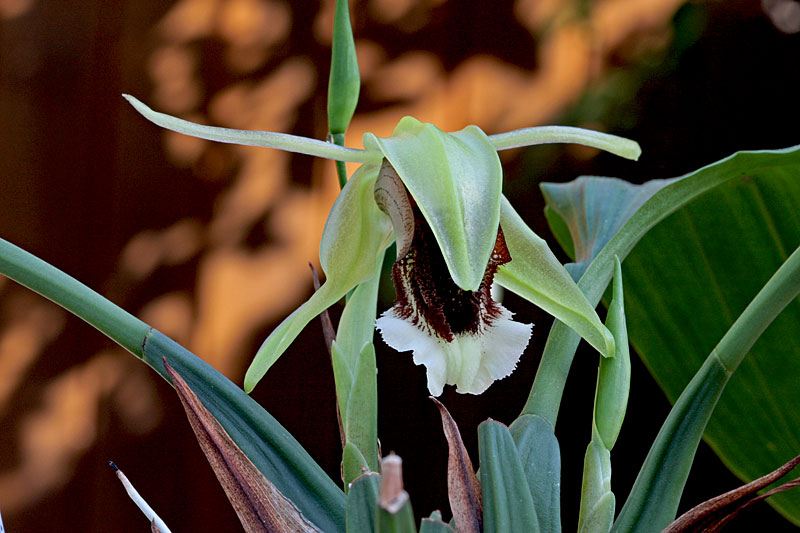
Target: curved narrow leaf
(598,503)
(456,180)
(541,461)
(271,448)
(535,274)
(707,262)
(362,503)
(614,374)
(263,440)
(507,501)
(545,396)
(355,236)
(258,504)
(653,501)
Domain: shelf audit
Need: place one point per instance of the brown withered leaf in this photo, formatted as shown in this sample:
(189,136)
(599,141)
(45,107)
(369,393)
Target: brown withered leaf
(463,488)
(259,505)
(714,514)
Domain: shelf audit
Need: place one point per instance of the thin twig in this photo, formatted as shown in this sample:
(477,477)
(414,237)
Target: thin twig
(330,335)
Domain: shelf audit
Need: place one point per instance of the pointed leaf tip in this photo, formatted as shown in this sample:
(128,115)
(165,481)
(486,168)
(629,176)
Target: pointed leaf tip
(258,504)
(463,488)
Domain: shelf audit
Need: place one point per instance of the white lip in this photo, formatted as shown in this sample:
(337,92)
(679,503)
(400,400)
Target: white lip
(472,361)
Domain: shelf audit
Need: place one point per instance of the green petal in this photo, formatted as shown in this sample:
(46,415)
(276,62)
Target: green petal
(268,139)
(535,274)
(355,233)
(456,180)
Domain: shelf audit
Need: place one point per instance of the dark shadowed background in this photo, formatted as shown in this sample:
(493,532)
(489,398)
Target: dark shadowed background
(210,243)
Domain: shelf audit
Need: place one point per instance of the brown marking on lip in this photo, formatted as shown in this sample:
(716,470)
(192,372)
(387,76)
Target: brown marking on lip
(427,295)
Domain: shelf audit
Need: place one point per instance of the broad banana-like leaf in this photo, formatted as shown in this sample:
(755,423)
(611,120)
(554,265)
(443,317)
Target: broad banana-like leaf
(691,275)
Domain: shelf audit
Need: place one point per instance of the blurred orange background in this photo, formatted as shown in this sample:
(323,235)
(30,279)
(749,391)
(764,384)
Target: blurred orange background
(210,243)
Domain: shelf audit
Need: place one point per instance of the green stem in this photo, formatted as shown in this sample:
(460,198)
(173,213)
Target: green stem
(341,167)
(30,271)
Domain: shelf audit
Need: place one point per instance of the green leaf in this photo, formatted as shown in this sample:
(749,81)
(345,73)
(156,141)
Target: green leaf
(355,375)
(597,500)
(361,414)
(394,506)
(362,503)
(263,440)
(456,180)
(345,81)
(654,499)
(598,503)
(535,274)
(401,521)
(355,236)
(545,396)
(541,461)
(706,262)
(258,504)
(614,374)
(601,516)
(434,524)
(507,501)
(593,211)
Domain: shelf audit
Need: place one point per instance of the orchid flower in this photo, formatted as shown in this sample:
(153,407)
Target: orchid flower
(439,196)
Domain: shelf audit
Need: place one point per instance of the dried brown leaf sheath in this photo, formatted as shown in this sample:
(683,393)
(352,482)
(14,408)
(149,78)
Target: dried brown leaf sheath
(259,505)
(463,488)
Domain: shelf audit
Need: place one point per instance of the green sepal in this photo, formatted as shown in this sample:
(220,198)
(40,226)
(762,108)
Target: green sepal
(536,274)
(345,81)
(506,497)
(456,180)
(362,504)
(355,234)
